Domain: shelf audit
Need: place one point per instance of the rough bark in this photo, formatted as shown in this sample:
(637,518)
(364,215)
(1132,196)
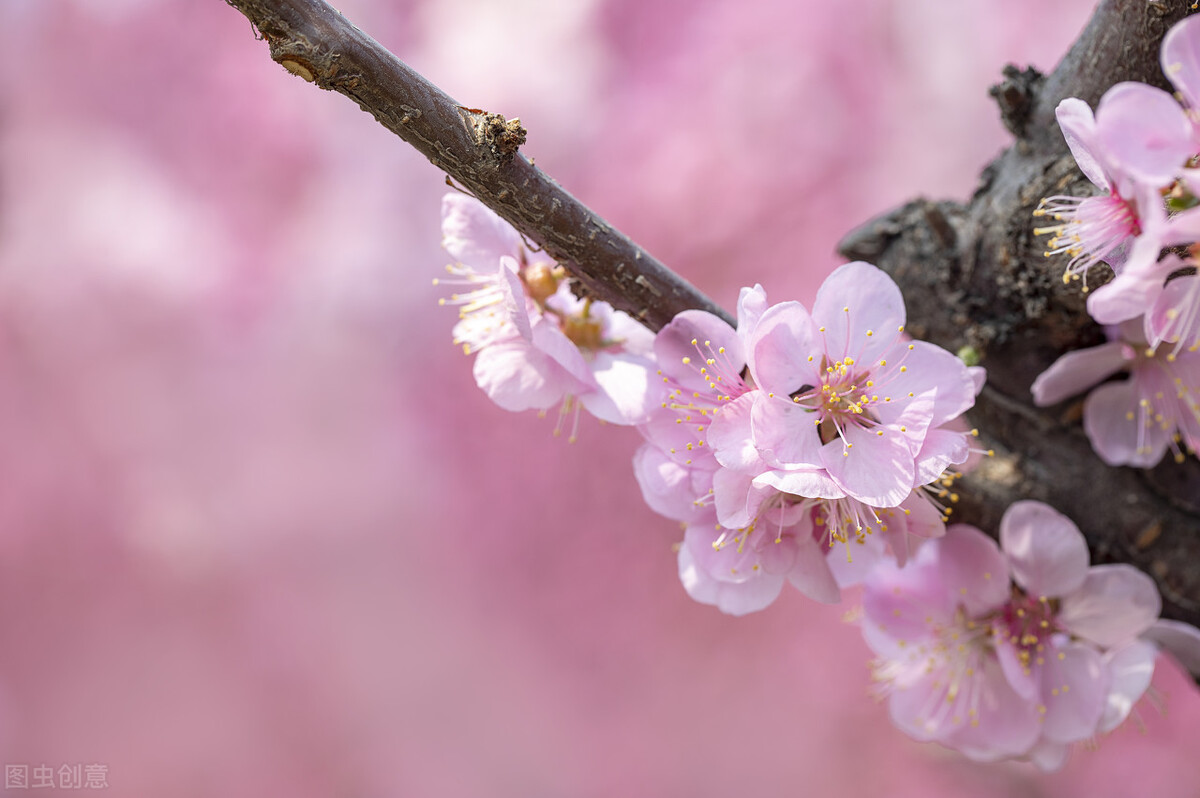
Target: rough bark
(973,273)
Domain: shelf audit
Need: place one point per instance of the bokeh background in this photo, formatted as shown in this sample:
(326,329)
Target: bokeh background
(259,532)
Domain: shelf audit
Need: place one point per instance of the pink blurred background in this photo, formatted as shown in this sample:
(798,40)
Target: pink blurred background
(259,532)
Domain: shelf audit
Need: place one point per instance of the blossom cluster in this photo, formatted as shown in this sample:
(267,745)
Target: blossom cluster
(798,430)
(1140,149)
(537,345)
(819,447)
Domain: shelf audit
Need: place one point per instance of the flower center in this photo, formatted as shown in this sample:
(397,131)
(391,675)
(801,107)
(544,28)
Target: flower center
(1028,623)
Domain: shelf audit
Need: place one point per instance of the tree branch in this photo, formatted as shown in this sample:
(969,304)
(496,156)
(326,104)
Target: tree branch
(974,274)
(477,149)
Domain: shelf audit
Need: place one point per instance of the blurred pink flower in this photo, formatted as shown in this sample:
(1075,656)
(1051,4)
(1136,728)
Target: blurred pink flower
(537,345)
(1134,421)
(1011,651)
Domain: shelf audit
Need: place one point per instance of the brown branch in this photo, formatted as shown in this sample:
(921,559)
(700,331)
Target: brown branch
(477,149)
(974,274)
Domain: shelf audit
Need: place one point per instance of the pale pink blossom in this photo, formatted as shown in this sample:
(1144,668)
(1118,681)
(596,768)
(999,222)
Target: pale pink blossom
(1137,420)
(1122,153)
(848,406)
(1017,650)
(538,345)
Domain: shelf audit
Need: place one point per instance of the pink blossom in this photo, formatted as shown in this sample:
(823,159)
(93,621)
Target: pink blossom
(538,344)
(1133,421)
(1013,651)
(1127,226)
(1138,145)
(849,407)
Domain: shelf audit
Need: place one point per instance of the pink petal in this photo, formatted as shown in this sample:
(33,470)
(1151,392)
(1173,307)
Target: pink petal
(669,488)
(1046,551)
(780,350)
(1048,756)
(811,574)
(1145,130)
(1074,687)
(518,377)
(1079,129)
(673,345)
(474,235)
(1176,313)
(1077,371)
(930,368)
(1115,604)
(731,494)
(1130,294)
(907,604)
(784,433)
(550,339)
(942,448)
(727,578)
(851,563)
(1113,422)
(973,569)
(1007,725)
(875,469)
(811,484)
(731,437)
(1180,640)
(627,392)
(874,317)
(1181,59)
(920,517)
(752,304)
(1131,668)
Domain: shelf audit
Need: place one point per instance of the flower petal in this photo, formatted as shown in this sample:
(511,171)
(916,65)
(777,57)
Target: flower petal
(811,574)
(1079,129)
(1046,551)
(1146,131)
(627,393)
(784,433)
(516,376)
(1074,688)
(1115,604)
(875,469)
(1132,668)
(669,488)
(1181,59)
(973,569)
(1180,640)
(1077,371)
(752,304)
(780,349)
(1112,419)
(474,235)
(681,359)
(809,483)
(861,310)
